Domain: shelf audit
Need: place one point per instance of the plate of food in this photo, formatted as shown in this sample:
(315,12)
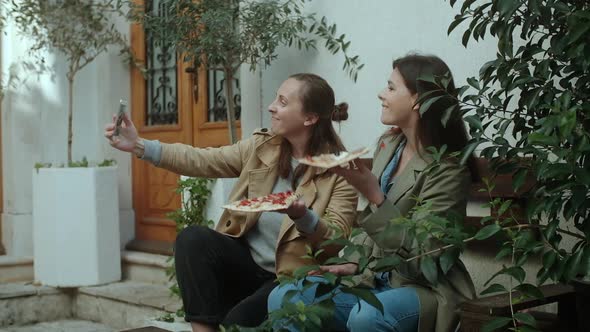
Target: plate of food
(271,202)
(329,160)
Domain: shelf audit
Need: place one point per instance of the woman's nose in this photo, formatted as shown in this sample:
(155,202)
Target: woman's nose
(380,95)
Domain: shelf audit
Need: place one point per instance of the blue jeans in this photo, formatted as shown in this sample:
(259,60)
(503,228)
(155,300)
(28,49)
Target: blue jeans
(401,307)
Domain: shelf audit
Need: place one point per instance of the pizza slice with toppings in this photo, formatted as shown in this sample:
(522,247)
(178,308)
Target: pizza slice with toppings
(271,202)
(329,160)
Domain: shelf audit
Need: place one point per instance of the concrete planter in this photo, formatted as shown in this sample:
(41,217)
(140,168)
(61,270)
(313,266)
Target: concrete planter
(76,226)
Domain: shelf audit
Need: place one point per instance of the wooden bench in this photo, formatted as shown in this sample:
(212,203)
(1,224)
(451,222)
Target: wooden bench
(474,314)
(147,329)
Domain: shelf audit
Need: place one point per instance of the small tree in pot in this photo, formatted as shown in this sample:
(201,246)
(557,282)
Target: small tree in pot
(75,209)
(80,30)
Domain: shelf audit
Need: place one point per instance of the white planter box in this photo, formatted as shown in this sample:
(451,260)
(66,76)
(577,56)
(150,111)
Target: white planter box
(76,226)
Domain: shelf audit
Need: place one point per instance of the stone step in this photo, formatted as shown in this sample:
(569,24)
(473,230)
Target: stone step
(135,265)
(145,267)
(129,304)
(25,303)
(61,326)
(15,269)
(121,305)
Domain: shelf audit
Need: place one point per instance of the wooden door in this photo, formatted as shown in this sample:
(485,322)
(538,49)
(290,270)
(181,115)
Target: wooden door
(171,104)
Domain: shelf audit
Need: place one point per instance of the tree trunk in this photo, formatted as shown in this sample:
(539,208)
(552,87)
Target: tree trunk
(70,111)
(231,114)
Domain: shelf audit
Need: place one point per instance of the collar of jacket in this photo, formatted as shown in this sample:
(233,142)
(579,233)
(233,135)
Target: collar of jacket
(407,178)
(268,152)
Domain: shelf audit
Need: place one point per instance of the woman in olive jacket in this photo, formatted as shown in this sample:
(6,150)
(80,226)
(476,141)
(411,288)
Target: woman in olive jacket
(225,275)
(400,178)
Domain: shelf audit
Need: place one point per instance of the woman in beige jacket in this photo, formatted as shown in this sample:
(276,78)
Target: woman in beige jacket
(399,179)
(225,275)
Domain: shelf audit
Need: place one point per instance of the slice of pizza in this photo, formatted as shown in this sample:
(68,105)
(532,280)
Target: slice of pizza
(330,160)
(271,202)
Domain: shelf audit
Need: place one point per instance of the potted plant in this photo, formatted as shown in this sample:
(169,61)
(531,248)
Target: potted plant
(224,34)
(75,205)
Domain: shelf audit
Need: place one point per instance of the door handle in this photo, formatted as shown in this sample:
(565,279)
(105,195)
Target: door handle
(194,72)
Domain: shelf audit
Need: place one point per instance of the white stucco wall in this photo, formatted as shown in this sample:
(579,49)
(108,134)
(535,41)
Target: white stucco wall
(34,129)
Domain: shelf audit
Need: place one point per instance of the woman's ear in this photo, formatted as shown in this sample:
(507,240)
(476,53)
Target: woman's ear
(311,119)
(416,106)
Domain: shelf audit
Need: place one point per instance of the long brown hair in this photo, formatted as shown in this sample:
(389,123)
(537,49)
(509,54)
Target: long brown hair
(316,97)
(431,131)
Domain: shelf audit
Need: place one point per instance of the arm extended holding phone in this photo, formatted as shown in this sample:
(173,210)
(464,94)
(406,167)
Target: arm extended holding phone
(122,134)
(120,115)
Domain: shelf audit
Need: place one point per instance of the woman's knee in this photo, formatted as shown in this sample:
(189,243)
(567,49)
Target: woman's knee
(401,309)
(276,296)
(363,317)
(296,292)
(192,238)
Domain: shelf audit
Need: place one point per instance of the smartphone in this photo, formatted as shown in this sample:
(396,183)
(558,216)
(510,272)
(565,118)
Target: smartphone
(120,114)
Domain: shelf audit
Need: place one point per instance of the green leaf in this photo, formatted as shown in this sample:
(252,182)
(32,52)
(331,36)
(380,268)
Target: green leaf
(426,105)
(519,179)
(365,295)
(494,288)
(323,289)
(447,115)
(525,318)
(582,176)
(448,259)
(468,151)
(507,7)
(530,290)
(455,23)
(542,139)
(504,207)
(466,4)
(573,265)
(473,82)
(577,32)
(428,268)
(504,252)
(567,122)
(487,231)
(387,263)
(474,122)
(516,272)
(495,324)
(549,259)
(465,39)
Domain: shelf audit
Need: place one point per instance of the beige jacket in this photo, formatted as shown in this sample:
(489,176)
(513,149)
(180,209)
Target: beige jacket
(446,189)
(254,161)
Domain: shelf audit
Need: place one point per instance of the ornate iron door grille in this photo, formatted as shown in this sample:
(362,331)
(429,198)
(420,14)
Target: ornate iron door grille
(217,101)
(162,88)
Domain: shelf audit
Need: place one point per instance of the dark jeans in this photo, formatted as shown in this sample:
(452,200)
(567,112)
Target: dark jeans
(219,281)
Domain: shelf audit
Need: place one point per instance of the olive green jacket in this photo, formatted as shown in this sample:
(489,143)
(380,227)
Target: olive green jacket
(445,188)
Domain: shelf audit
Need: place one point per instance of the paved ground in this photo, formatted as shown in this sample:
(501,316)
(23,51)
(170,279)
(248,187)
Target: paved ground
(61,326)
